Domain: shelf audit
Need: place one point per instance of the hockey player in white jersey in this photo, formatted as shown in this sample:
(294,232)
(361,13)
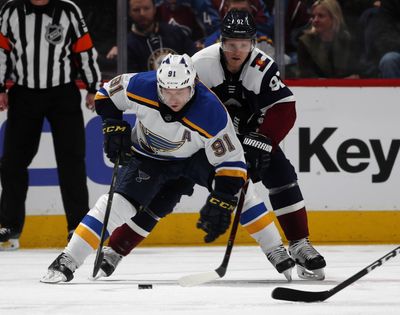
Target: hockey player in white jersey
(178,121)
(263,111)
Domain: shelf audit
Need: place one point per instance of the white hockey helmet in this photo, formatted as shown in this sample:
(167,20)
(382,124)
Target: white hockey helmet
(176,72)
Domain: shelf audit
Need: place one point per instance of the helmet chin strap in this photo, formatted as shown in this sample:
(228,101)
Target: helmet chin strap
(169,115)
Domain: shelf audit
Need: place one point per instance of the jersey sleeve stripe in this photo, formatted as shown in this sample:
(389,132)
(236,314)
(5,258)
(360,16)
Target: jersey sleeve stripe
(101,94)
(4,43)
(193,126)
(83,44)
(142,100)
(100,97)
(232,173)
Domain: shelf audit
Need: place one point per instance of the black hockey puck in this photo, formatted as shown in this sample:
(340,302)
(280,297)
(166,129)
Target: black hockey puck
(145,286)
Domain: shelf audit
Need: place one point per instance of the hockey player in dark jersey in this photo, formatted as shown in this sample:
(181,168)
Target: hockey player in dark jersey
(263,111)
(178,122)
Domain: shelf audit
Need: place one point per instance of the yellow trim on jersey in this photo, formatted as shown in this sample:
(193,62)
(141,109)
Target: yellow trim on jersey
(142,99)
(232,173)
(260,224)
(99,96)
(88,236)
(202,131)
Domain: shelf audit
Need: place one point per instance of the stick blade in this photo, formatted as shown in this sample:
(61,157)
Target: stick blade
(293,295)
(97,264)
(197,279)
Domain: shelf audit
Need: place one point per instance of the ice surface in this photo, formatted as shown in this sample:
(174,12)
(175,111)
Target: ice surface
(245,289)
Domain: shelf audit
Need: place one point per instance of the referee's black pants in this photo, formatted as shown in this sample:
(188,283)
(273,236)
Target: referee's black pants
(27,109)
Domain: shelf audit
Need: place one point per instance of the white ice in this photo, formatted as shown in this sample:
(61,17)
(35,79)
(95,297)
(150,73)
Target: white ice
(245,289)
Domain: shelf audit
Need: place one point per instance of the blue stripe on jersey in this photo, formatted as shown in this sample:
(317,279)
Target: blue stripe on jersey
(94,225)
(144,84)
(252,213)
(207,111)
(103,91)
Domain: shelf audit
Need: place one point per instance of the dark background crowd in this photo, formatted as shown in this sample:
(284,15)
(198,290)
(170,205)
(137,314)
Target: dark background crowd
(323,38)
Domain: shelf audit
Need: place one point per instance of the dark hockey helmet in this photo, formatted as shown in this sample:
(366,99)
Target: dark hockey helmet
(238,24)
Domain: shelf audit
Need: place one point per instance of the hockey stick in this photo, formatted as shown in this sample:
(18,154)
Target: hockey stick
(293,295)
(99,253)
(200,278)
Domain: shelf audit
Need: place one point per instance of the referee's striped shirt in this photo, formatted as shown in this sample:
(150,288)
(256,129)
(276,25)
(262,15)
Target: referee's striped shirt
(44,46)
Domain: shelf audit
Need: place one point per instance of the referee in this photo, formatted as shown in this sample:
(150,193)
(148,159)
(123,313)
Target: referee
(43,44)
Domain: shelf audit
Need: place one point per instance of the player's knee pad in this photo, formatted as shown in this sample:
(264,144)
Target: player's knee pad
(121,211)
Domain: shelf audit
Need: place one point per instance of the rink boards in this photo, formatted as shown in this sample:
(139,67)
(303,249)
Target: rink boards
(345,147)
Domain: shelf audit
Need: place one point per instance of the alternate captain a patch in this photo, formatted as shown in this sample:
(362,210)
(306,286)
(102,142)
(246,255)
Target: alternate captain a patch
(154,143)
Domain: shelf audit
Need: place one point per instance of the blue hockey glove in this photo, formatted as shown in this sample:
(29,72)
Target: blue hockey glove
(117,140)
(215,216)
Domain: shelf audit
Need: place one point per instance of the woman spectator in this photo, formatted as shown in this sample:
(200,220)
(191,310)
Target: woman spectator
(326,50)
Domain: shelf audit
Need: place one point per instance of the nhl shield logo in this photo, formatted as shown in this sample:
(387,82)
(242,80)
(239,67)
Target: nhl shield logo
(54,34)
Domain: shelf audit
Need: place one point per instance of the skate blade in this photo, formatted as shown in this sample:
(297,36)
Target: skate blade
(10,245)
(317,274)
(288,274)
(53,276)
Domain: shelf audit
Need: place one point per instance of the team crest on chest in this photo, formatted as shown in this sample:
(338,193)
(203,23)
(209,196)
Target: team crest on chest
(54,33)
(153,143)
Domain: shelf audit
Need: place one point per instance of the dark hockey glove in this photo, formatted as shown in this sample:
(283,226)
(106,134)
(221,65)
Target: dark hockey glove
(257,148)
(117,140)
(215,216)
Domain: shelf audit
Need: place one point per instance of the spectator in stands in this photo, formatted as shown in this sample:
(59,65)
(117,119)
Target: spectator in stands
(150,41)
(352,11)
(181,14)
(297,19)
(326,50)
(382,41)
(101,18)
(205,13)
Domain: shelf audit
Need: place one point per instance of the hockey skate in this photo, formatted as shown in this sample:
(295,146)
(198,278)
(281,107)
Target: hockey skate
(110,261)
(61,270)
(310,263)
(282,262)
(8,241)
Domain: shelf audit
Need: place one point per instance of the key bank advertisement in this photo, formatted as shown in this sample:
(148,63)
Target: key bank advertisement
(345,147)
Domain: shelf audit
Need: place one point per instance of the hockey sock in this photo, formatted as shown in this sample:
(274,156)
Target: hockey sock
(259,222)
(125,238)
(290,210)
(86,237)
